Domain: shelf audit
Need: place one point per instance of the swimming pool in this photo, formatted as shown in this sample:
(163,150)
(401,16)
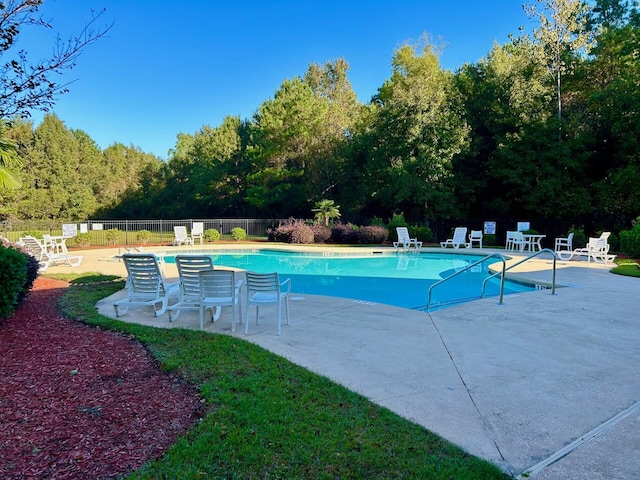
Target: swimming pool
(400,279)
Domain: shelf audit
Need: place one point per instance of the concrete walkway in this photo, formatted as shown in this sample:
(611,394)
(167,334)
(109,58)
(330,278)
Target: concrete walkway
(545,386)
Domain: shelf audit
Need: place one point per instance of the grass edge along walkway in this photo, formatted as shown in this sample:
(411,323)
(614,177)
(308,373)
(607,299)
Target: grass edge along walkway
(266,417)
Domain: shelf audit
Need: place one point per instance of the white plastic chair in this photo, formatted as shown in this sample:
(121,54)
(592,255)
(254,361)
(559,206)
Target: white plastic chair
(145,284)
(518,242)
(475,236)
(564,244)
(405,241)
(218,288)
(46,256)
(180,234)
(197,231)
(459,238)
(189,268)
(266,289)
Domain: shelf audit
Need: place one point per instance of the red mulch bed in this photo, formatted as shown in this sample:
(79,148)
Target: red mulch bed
(78,402)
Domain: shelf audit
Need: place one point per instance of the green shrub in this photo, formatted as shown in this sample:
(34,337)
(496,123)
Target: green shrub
(238,233)
(211,235)
(32,233)
(489,240)
(579,237)
(13,279)
(397,220)
(143,236)
(113,236)
(372,235)
(423,234)
(82,240)
(630,240)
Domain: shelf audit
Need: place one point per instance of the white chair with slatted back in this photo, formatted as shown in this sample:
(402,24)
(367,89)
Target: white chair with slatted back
(266,289)
(189,268)
(219,288)
(145,284)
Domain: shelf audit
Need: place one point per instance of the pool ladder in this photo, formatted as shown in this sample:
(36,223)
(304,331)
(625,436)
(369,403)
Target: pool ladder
(502,272)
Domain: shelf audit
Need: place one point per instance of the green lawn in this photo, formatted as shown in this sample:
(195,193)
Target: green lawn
(268,418)
(628,268)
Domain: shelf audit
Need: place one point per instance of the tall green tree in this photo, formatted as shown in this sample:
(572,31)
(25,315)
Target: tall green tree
(330,83)
(417,128)
(562,35)
(610,100)
(284,141)
(206,171)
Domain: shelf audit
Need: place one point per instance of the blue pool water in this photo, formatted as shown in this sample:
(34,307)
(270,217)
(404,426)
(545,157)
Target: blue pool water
(401,279)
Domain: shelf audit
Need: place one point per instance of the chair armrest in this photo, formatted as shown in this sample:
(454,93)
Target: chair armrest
(287,282)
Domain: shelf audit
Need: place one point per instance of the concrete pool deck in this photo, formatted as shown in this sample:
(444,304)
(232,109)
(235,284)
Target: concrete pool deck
(543,385)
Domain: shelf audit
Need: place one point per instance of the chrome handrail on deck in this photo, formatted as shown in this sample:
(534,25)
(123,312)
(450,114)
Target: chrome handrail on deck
(482,260)
(553,280)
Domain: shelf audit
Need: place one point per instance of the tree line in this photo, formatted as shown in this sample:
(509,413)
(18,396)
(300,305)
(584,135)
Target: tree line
(545,126)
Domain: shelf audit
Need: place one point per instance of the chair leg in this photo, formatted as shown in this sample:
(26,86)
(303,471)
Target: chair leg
(286,308)
(279,317)
(201,312)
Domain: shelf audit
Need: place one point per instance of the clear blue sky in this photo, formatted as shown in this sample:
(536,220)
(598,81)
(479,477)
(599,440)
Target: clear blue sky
(170,67)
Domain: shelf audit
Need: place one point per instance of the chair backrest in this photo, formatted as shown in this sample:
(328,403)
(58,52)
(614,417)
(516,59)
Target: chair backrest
(598,245)
(197,228)
(34,247)
(517,236)
(217,284)
(262,282)
(189,268)
(144,273)
(403,234)
(180,232)
(459,235)
(47,240)
(475,235)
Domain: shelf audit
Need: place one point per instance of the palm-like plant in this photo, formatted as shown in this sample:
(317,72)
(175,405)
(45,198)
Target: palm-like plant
(326,210)
(8,160)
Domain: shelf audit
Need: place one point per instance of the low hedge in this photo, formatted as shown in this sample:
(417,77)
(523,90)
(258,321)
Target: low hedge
(18,271)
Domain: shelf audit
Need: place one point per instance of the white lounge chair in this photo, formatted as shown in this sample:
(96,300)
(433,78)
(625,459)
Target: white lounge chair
(189,268)
(597,249)
(180,234)
(197,231)
(404,241)
(48,255)
(266,289)
(219,288)
(564,244)
(459,238)
(145,284)
(475,236)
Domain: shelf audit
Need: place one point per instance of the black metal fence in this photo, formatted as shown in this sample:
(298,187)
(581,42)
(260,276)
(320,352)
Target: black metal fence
(127,232)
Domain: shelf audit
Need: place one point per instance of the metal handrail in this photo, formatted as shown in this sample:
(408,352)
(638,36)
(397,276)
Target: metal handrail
(468,267)
(553,281)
